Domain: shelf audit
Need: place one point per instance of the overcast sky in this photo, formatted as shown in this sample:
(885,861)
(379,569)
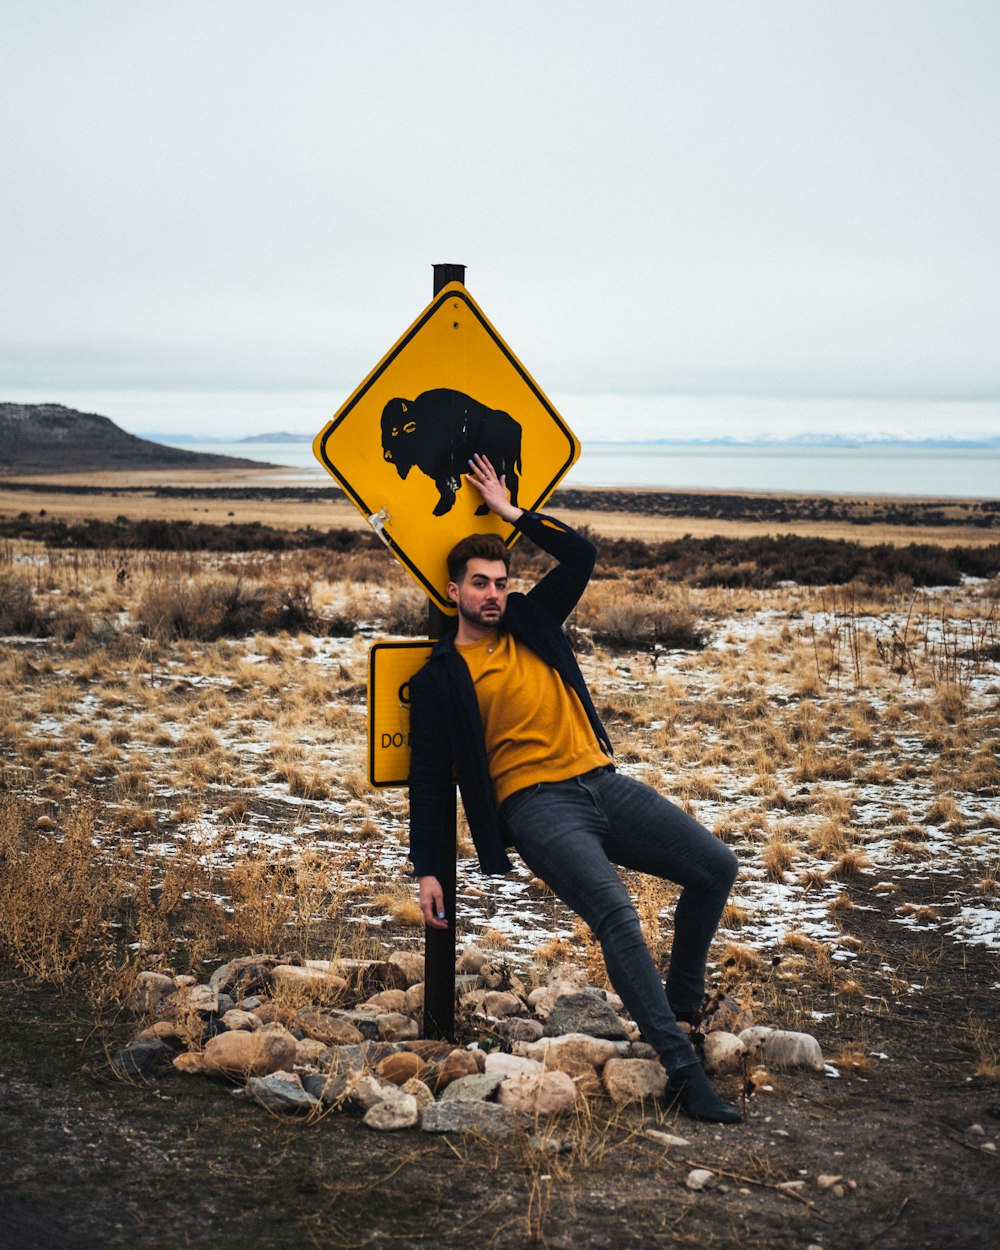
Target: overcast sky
(764,198)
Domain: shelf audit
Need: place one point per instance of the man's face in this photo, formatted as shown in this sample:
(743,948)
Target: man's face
(481,595)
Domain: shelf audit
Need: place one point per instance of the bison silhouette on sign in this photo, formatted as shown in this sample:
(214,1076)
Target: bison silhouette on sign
(439,431)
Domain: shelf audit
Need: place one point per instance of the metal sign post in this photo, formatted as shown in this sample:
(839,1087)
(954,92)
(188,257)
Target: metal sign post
(439,944)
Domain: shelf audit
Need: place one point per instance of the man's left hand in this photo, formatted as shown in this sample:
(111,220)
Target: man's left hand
(493,489)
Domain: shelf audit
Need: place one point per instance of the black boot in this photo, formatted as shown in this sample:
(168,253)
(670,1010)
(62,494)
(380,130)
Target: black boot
(692,1091)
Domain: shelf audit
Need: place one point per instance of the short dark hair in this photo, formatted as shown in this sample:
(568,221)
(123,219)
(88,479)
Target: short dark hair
(476,547)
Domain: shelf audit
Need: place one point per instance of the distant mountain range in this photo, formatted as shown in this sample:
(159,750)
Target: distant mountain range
(50,438)
(760,440)
(281,437)
(821,440)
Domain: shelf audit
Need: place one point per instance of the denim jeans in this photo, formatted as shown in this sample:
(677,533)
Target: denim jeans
(572,833)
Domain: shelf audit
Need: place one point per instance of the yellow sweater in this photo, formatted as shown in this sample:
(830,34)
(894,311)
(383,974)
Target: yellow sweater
(535,726)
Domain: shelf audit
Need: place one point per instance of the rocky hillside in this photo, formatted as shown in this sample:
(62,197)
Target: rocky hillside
(50,438)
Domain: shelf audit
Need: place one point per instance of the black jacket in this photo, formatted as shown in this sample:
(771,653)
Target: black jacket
(446,731)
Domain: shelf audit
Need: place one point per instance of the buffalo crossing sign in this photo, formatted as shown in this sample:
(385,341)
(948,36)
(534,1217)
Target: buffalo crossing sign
(400,444)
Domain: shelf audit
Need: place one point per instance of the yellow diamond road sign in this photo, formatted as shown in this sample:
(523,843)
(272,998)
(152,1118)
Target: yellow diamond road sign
(401,443)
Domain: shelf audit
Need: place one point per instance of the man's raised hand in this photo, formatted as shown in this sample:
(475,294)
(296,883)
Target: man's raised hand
(493,489)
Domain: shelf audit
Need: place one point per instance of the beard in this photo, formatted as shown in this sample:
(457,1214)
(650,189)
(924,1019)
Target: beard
(486,616)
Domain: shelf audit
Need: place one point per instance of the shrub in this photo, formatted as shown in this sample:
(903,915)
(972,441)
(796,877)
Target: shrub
(19,612)
(625,619)
(207,611)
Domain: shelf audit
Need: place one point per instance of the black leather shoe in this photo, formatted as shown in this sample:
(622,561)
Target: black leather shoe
(690,1089)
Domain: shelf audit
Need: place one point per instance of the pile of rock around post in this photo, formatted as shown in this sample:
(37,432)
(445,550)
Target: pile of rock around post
(260,1024)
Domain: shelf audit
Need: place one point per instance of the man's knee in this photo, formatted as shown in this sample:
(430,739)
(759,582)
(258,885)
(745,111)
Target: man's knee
(619,924)
(728,867)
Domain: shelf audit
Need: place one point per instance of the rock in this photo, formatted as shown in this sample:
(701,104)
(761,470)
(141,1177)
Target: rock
(494,1003)
(393,1026)
(633,1080)
(366,976)
(498,976)
(579,1047)
(388,1000)
(346,1060)
(518,1029)
(364,1055)
(420,1091)
(142,1057)
(753,1037)
(365,1090)
(413,1000)
(569,975)
(309,1053)
(640,1050)
(503,1003)
(237,1019)
(329,1088)
(282,1093)
(584,1013)
(410,964)
(244,976)
(296,975)
(191,1062)
(667,1139)
(397,1113)
(510,1065)
(488,1119)
(723,1052)
(726,1013)
(189,1000)
(402,1067)
(545,997)
(545,1094)
(470,961)
(429,1049)
(271,1012)
(150,989)
(365,1022)
(783,1049)
(181,1034)
(325,1027)
(700,1178)
(467,983)
(458,1063)
(480,1087)
(583,1075)
(241,1054)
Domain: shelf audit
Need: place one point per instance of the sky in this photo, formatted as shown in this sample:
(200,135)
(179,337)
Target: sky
(219,215)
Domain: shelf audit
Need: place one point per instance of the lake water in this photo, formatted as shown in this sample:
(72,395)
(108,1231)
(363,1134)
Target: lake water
(877,470)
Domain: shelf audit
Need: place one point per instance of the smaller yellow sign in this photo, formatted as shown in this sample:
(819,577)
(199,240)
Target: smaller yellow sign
(390,667)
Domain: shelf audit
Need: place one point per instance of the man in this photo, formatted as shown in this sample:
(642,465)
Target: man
(501,704)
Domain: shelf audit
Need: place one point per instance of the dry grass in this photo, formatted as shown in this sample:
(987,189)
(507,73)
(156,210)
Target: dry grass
(210,793)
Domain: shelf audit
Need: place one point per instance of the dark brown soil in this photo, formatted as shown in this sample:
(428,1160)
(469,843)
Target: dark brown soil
(90,1162)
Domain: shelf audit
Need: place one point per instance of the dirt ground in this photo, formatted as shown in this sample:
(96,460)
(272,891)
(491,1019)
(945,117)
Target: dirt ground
(90,1163)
